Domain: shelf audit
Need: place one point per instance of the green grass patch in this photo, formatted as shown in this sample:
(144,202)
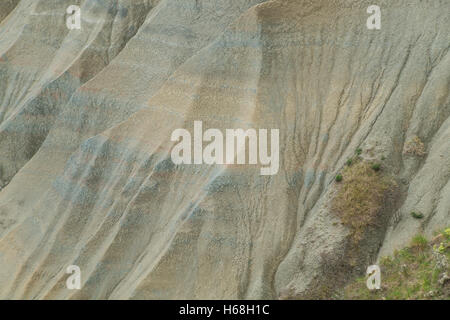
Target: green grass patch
(414,272)
(419,242)
(376,167)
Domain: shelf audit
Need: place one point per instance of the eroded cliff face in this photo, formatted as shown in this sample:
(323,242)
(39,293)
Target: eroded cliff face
(86,118)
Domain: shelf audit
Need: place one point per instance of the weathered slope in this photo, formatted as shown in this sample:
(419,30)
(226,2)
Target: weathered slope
(140,227)
(174,32)
(43,63)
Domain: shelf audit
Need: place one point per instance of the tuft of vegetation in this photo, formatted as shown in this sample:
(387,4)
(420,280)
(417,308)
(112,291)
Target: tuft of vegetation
(440,249)
(416,272)
(358,151)
(349,162)
(414,147)
(417,215)
(419,242)
(360,198)
(338,178)
(376,167)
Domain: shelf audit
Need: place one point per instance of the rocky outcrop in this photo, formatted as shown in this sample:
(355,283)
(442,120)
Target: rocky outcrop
(85,138)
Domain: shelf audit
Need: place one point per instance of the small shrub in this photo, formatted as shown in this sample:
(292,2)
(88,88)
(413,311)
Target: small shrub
(358,151)
(349,162)
(415,147)
(376,167)
(417,215)
(360,198)
(440,249)
(338,178)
